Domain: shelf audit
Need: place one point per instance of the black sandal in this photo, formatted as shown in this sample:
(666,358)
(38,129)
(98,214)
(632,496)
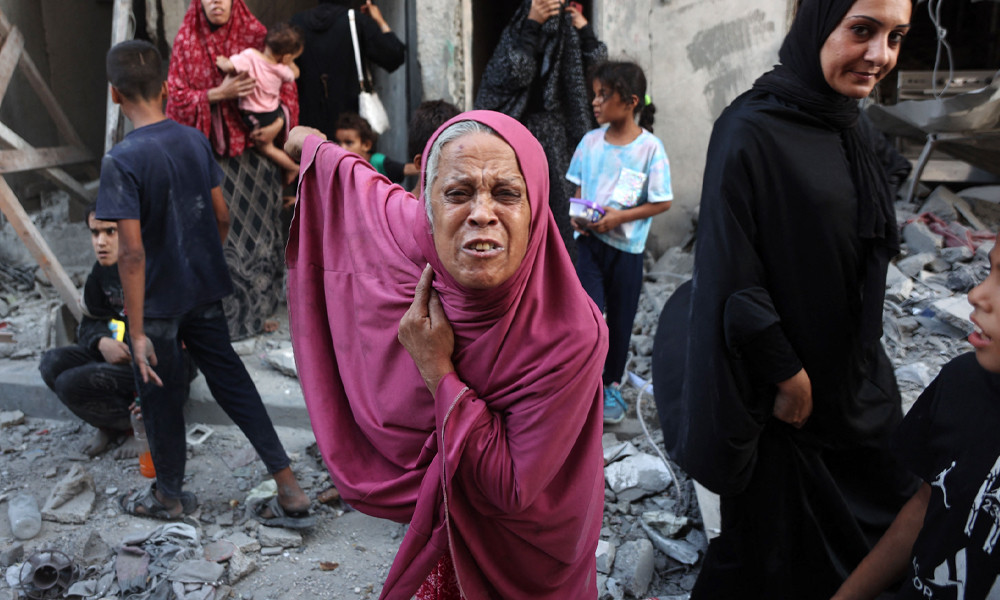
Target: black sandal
(281,517)
(151,507)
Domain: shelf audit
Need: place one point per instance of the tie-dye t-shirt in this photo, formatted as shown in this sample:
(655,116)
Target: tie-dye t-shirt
(622,177)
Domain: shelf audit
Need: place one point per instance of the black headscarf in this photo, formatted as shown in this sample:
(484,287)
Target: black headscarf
(799,80)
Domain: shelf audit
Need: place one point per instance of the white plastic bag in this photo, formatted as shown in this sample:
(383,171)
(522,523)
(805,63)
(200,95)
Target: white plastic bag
(371,109)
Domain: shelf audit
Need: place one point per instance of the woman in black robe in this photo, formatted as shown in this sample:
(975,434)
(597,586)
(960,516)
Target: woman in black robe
(538,75)
(773,387)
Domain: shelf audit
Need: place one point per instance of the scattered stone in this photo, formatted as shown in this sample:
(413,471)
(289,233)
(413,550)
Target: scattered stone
(277,536)
(271,551)
(605,556)
(11,418)
(917,372)
(939,265)
(680,550)
(955,311)
(665,522)
(634,566)
(919,238)
(244,542)
(95,550)
(984,249)
(245,347)
(898,285)
(282,360)
(12,555)
(619,451)
(72,498)
(961,280)
(941,203)
(912,265)
(957,254)
(220,551)
(637,476)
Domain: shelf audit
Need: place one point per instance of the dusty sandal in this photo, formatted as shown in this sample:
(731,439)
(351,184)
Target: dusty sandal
(143,503)
(279,516)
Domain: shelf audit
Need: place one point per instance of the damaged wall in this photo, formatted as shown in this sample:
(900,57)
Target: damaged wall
(698,56)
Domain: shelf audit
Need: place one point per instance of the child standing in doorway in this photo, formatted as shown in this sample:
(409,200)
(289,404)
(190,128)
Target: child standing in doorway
(261,109)
(623,167)
(356,135)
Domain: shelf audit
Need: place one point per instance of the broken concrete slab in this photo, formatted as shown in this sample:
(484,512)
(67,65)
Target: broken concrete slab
(680,550)
(634,566)
(635,477)
(278,537)
(282,360)
(955,311)
(941,203)
(240,565)
(72,499)
(898,285)
(244,542)
(957,254)
(665,522)
(919,238)
(605,556)
(619,451)
(912,265)
(917,372)
(11,418)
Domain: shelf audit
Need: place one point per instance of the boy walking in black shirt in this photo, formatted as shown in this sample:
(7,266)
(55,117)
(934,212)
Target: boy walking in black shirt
(162,185)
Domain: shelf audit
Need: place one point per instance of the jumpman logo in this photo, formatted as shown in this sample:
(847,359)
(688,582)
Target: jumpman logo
(939,482)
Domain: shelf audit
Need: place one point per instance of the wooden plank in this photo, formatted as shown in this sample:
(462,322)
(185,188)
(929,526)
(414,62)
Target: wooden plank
(57,176)
(33,240)
(48,99)
(119,33)
(9,55)
(28,159)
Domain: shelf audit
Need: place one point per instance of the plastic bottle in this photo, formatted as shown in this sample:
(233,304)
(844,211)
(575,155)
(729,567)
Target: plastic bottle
(25,520)
(139,430)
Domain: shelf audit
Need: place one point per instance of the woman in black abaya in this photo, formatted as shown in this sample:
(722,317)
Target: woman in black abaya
(773,387)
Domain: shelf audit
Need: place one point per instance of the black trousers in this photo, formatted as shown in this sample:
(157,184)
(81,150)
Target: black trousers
(97,392)
(204,332)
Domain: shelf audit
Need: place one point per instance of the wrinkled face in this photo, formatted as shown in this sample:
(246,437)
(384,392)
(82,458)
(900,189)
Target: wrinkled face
(985,301)
(609,105)
(104,237)
(218,11)
(349,140)
(864,46)
(480,211)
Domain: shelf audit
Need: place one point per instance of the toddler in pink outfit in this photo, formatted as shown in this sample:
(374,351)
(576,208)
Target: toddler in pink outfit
(261,108)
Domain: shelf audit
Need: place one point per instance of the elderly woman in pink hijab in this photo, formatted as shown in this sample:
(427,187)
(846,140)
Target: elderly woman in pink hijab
(451,362)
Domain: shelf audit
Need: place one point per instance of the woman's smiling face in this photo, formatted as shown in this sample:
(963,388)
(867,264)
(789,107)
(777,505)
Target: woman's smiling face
(864,46)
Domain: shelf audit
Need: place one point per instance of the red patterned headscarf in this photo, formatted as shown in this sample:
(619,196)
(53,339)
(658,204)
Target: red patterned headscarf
(193,73)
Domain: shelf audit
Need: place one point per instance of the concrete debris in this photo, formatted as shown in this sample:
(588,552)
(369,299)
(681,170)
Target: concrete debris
(605,556)
(919,238)
(918,373)
(680,550)
(72,499)
(634,566)
(278,537)
(637,476)
(243,542)
(240,565)
(941,203)
(11,418)
(283,360)
(957,254)
(955,311)
(618,451)
(914,264)
(665,522)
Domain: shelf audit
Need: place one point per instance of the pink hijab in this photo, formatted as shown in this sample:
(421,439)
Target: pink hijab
(503,465)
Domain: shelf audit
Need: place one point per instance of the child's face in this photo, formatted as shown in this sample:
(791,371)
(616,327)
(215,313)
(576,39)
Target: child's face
(985,301)
(349,140)
(609,106)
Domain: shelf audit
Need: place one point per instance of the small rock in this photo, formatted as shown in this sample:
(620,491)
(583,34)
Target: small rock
(916,372)
(283,360)
(957,254)
(271,551)
(240,565)
(634,566)
(12,555)
(941,203)
(244,542)
(637,476)
(94,550)
(955,311)
(605,556)
(913,264)
(11,418)
(939,265)
(665,522)
(276,536)
(919,238)
(220,551)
